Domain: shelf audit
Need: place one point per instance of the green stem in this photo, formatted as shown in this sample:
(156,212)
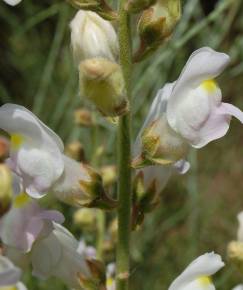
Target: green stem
(124,157)
(100,233)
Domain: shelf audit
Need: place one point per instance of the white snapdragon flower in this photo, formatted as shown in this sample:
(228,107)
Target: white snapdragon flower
(57,255)
(36,151)
(12,2)
(37,238)
(92,37)
(193,113)
(25,222)
(197,275)
(238,287)
(157,175)
(36,157)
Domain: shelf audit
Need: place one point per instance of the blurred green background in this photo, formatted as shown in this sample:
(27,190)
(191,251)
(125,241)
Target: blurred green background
(198,210)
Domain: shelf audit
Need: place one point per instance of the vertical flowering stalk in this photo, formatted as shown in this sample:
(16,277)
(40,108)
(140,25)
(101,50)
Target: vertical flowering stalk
(124,156)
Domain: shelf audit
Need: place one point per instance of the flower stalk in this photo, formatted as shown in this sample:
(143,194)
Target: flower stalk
(124,156)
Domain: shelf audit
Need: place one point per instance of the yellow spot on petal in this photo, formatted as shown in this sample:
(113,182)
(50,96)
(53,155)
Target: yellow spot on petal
(205,280)
(16,141)
(8,288)
(209,85)
(21,200)
(109,282)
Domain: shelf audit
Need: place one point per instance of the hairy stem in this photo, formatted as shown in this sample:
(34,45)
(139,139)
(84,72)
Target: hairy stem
(124,157)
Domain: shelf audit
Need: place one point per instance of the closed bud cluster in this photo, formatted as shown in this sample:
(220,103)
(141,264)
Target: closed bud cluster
(98,6)
(156,24)
(96,52)
(136,6)
(5,189)
(101,81)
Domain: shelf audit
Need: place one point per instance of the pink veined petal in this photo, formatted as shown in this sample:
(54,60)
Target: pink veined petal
(32,231)
(217,124)
(182,166)
(214,128)
(9,274)
(52,215)
(229,109)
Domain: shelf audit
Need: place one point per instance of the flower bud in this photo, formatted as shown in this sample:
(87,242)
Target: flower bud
(75,150)
(96,194)
(160,145)
(145,199)
(156,24)
(98,276)
(6,190)
(98,6)
(136,6)
(83,117)
(109,175)
(92,36)
(85,218)
(102,82)
(235,253)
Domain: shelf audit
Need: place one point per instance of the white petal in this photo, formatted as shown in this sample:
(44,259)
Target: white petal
(45,256)
(217,125)
(38,169)
(202,283)
(57,256)
(203,64)
(17,119)
(38,160)
(26,223)
(158,174)
(67,188)
(205,265)
(20,286)
(238,287)
(92,36)
(156,111)
(182,166)
(12,2)
(9,274)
